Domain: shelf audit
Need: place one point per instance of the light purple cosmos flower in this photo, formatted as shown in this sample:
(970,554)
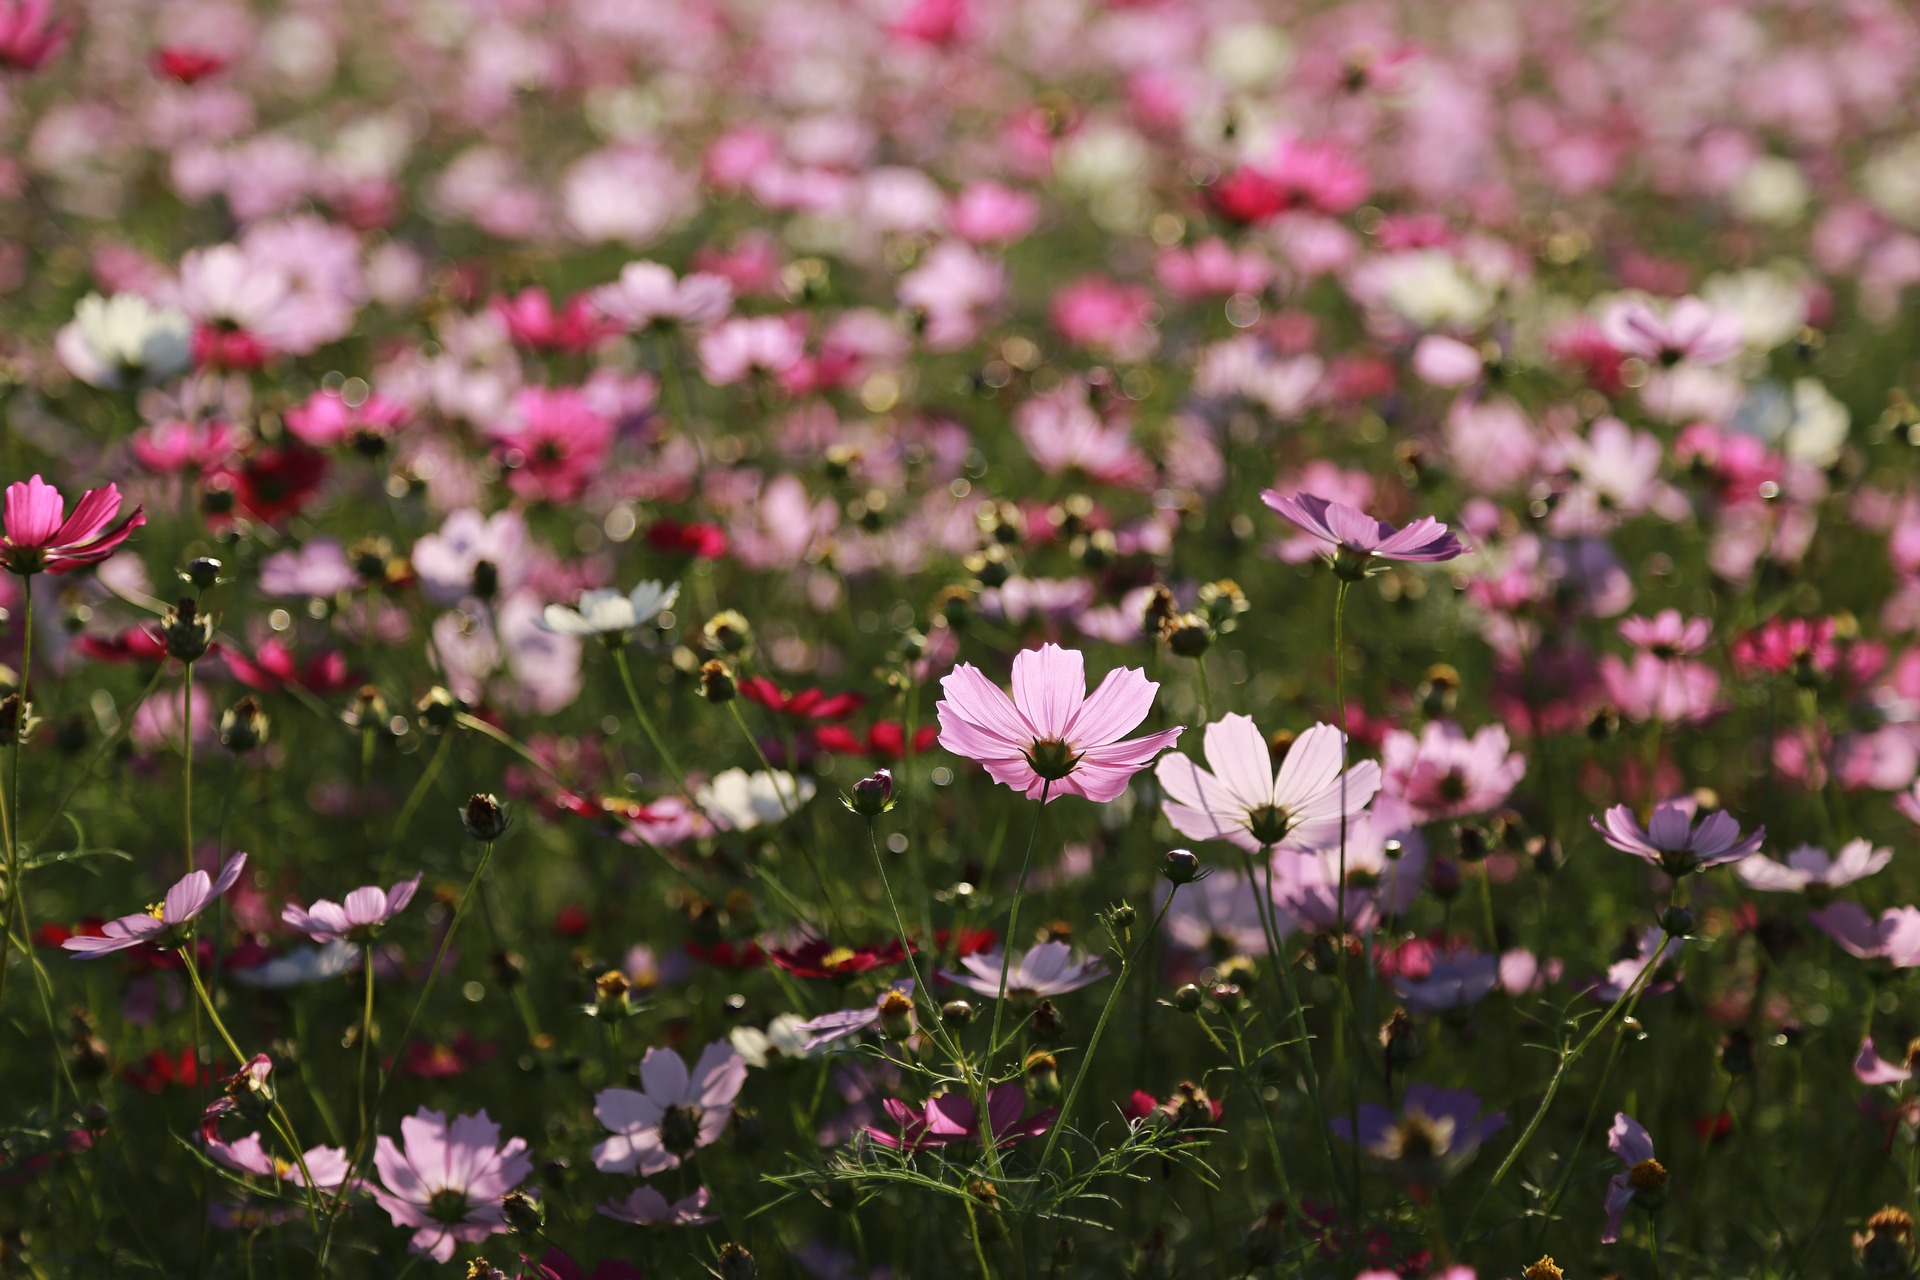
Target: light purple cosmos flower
(893,1007)
(1687,329)
(1456,979)
(646,1207)
(951,1118)
(1243,801)
(1351,539)
(1645,1178)
(1445,774)
(1870,1068)
(1047,970)
(1051,736)
(1813,872)
(167,922)
(1219,916)
(357,919)
(1894,937)
(329,1165)
(673,1113)
(320,569)
(1652,949)
(1671,841)
(447,1180)
(1435,1134)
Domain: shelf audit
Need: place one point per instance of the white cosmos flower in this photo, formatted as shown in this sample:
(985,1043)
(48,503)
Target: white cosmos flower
(743,801)
(115,342)
(609,613)
(782,1039)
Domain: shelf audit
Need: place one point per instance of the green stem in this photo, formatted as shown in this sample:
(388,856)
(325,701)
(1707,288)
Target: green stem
(1013,914)
(646,726)
(11,815)
(366,1035)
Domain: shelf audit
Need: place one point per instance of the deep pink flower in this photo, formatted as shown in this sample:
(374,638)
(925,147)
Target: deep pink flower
(447,1180)
(1351,538)
(326,420)
(951,1118)
(1644,1176)
(1671,841)
(674,1112)
(533,321)
(163,924)
(1445,774)
(553,443)
(1051,736)
(42,538)
(358,918)
(28,35)
(1243,801)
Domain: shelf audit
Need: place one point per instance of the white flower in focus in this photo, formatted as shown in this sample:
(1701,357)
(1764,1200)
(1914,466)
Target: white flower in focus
(609,613)
(115,342)
(742,801)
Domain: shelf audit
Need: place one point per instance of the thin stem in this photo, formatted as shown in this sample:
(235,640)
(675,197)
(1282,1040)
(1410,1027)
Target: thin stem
(646,726)
(1013,914)
(186,781)
(920,988)
(366,1036)
(11,815)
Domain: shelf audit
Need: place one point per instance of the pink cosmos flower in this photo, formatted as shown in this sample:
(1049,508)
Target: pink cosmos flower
(1671,841)
(990,213)
(673,1114)
(553,443)
(357,919)
(447,1180)
(1064,432)
(1648,688)
(328,1165)
(1645,1176)
(1052,738)
(951,1118)
(1894,937)
(1048,969)
(165,923)
(1350,538)
(1870,1068)
(894,1005)
(648,296)
(1652,949)
(1445,774)
(29,37)
(750,346)
(646,1207)
(1813,872)
(1668,634)
(326,420)
(1688,329)
(1217,915)
(1239,801)
(41,538)
(1107,317)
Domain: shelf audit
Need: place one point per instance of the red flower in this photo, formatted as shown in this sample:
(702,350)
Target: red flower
(133,644)
(808,704)
(886,740)
(573,921)
(188,66)
(1246,195)
(701,541)
(273,483)
(821,959)
(728,955)
(160,1071)
(438,1061)
(966,942)
(272,668)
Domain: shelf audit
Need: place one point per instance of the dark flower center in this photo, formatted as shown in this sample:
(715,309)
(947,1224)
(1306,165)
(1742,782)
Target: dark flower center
(1453,787)
(1419,1137)
(680,1129)
(1648,1175)
(448,1205)
(1052,759)
(1269,824)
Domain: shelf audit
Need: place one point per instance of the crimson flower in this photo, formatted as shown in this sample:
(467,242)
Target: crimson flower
(41,538)
(808,704)
(817,958)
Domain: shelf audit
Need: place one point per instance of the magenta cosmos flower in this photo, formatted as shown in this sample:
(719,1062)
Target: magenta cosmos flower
(165,923)
(358,918)
(1445,774)
(1242,802)
(674,1113)
(1051,737)
(1672,842)
(448,1179)
(1645,1178)
(952,1118)
(41,538)
(1351,539)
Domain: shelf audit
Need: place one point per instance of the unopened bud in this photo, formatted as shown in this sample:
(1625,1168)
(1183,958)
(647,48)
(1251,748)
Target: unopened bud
(1043,1075)
(717,684)
(483,818)
(203,572)
(437,707)
(737,1264)
(956,1013)
(872,795)
(186,632)
(243,726)
(1180,866)
(1443,878)
(1677,921)
(522,1212)
(1047,1022)
(1262,1244)
(612,994)
(1187,998)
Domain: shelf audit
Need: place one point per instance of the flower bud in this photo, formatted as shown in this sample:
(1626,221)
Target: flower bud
(717,684)
(1180,866)
(203,572)
(483,818)
(1187,634)
(437,708)
(1545,1269)
(737,1264)
(243,726)
(1885,1248)
(1473,841)
(1400,1037)
(1439,691)
(612,995)
(727,632)
(872,795)
(1047,1021)
(1043,1075)
(486,580)
(186,632)
(523,1213)
(368,710)
(1187,998)
(956,1013)
(896,1015)
(1122,917)
(1677,921)
(1443,879)
(1263,1243)
(481,1269)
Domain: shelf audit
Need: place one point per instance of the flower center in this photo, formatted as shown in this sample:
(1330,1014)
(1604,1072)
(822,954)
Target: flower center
(680,1129)
(448,1205)
(1648,1175)
(895,1004)
(1453,786)
(158,910)
(1269,824)
(1419,1137)
(838,958)
(1052,758)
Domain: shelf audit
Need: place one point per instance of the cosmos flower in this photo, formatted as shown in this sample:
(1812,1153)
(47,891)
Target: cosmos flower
(1048,969)
(951,1118)
(1351,539)
(1645,1177)
(1051,737)
(646,1207)
(610,614)
(673,1113)
(446,1180)
(1671,841)
(1446,774)
(1435,1133)
(1870,1068)
(817,958)
(1814,872)
(358,918)
(41,538)
(1894,937)
(124,340)
(742,801)
(893,1009)
(1238,801)
(166,923)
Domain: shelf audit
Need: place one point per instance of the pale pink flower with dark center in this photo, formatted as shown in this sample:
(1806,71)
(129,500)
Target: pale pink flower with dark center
(646,1207)
(1351,539)
(672,1114)
(648,296)
(447,1180)
(358,918)
(1051,737)
(41,538)
(1672,842)
(1687,329)
(1814,872)
(1445,774)
(165,923)
(1243,801)
(1645,1177)
(1668,634)
(1048,969)
(750,346)
(1648,688)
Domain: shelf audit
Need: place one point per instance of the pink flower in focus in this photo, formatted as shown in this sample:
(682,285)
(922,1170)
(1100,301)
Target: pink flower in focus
(1445,774)
(673,1114)
(1242,801)
(163,924)
(1051,738)
(41,538)
(1672,842)
(358,918)
(447,1180)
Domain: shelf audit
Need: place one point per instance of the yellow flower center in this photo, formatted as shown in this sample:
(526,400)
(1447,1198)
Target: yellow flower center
(1648,1175)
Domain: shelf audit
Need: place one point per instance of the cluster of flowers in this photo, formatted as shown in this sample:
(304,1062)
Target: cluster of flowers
(1445,467)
